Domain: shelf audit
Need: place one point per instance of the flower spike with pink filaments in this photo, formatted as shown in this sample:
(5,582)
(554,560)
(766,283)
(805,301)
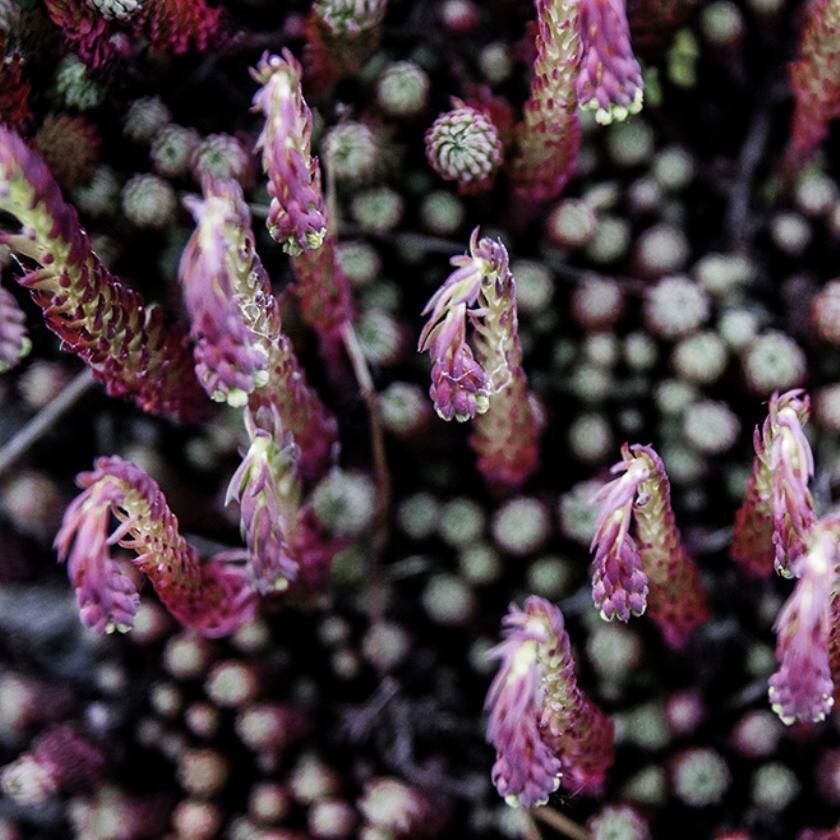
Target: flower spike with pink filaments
(610,80)
(490,385)
(545,731)
(108,325)
(619,583)
(548,138)
(242,355)
(649,568)
(268,490)
(802,688)
(213,597)
(815,79)
(772,523)
(297,216)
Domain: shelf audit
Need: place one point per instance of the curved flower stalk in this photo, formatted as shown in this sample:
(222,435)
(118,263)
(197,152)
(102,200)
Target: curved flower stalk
(650,568)
(267,487)
(341,35)
(543,727)
(548,138)
(610,80)
(212,597)
(241,353)
(297,216)
(619,583)
(772,523)
(490,386)
(802,688)
(125,342)
(14,341)
(815,79)
(172,26)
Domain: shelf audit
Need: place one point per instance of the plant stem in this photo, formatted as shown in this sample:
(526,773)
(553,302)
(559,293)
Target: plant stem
(380,463)
(560,822)
(25,438)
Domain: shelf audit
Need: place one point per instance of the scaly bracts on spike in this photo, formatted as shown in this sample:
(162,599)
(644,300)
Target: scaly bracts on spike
(815,79)
(802,688)
(490,386)
(649,568)
(619,583)
(545,731)
(267,487)
(610,80)
(241,352)
(213,597)
(297,216)
(774,519)
(125,342)
(548,138)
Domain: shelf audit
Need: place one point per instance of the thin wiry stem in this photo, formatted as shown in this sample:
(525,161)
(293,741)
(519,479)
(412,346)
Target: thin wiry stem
(562,823)
(25,438)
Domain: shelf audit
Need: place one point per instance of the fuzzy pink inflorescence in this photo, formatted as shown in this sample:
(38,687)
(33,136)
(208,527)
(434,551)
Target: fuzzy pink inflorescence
(298,215)
(610,80)
(213,597)
(242,354)
(802,688)
(777,513)
(650,566)
(14,341)
(490,384)
(545,731)
(619,583)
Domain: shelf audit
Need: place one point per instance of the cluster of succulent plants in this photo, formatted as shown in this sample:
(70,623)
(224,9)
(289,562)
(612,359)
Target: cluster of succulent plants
(410,356)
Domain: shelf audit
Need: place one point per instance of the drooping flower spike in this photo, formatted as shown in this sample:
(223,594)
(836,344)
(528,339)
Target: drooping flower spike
(545,731)
(241,352)
(297,216)
(489,386)
(772,522)
(649,568)
(125,342)
(610,80)
(267,487)
(619,583)
(802,688)
(213,597)
(548,138)
(815,79)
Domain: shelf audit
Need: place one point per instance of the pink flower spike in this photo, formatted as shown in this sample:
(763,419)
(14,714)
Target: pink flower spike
(609,81)
(297,216)
(214,598)
(791,463)
(619,583)
(802,689)
(107,597)
(543,727)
